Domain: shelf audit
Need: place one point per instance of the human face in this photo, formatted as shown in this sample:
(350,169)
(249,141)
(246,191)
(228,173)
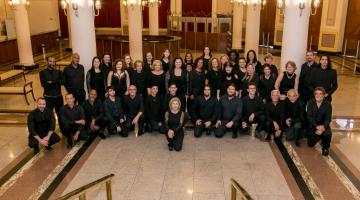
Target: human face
(232,56)
(292,96)
(92,95)
(188,68)
(251,55)
(206,50)
(214,64)
(224,59)
(290,69)
(268,61)
(106,59)
(188,57)
(96,63)
(41,104)
(275,96)
(250,69)
(228,69)
(138,67)
(231,91)
(132,90)
(51,62)
(175,105)
(207,91)
(173,90)
(166,53)
(111,92)
(75,59)
(200,64)
(70,99)
(154,90)
(267,71)
(310,57)
(127,59)
(157,67)
(319,95)
(251,90)
(149,56)
(119,65)
(242,63)
(324,62)
(178,63)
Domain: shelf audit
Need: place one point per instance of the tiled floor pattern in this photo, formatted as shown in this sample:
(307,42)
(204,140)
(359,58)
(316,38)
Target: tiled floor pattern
(145,169)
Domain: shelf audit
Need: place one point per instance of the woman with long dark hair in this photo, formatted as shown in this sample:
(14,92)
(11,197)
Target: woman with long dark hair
(206,56)
(95,79)
(178,75)
(228,78)
(249,77)
(266,83)
(251,57)
(166,60)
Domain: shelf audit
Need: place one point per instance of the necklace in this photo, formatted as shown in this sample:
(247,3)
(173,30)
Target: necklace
(289,77)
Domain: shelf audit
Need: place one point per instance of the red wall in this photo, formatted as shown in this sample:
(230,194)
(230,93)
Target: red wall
(196,8)
(109,14)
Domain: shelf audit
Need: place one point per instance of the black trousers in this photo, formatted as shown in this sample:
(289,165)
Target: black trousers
(270,128)
(79,95)
(153,125)
(177,141)
(325,138)
(221,130)
(100,123)
(293,132)
(112,127)
(199,129)
(54,102)
(33,143)
(259,120)
(129,126)
(70,130)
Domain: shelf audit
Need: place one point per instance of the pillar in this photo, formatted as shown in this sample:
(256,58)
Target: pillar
(214,11)
(279,25)
(178,10)
(252,28)
(69,28)
(123,18)
(23,36)
(135,32)
(154,19)
(237,26)
(295,33)
(332,28)
(83,32)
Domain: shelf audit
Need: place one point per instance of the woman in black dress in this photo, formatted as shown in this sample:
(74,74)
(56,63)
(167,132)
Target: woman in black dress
(234,58)
(157,77)
(173,125)
(287,80)
(268,60)
(196,82)
(223,60)
(166,60)
(228,78)
(240,69)
(119,78)
(213,77)
(206,56)
(249,77)
(106,65)
(95,79)
(139,78)
(178,76)
(252,58)
(148,62)
(188,59)
(266,83)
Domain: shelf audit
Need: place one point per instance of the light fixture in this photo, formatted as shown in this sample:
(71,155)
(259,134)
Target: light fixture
(315,4)
(65,4)
(152,3)
(254,3)
(13,3)
(132,3)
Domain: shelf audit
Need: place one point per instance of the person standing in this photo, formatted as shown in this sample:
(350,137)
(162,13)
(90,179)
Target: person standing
(196,83)
(119,78)
(96,79)
(41,126)
(51,80)
(305,75)
(319,112)
(74,79)
(213,77)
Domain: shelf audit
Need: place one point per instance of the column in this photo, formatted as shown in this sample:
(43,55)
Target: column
(332,28)
(237,26)
(83,32)
(23,36)
(214,10)
(123,16)
(69,28)
(178,10)
(279,25)
(252,28)
(135,32)
(295,33)
(154,19)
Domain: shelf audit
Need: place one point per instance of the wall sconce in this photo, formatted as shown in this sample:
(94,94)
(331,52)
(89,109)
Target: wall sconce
(13,3)
(65,4)
(315,4)
(255,3)
(152,3)
(132,3)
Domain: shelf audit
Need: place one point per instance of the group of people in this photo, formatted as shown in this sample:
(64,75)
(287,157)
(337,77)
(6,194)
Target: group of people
(216,95)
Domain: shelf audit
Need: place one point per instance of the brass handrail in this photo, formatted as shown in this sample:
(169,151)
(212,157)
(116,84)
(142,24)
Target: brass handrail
(235,186)
(81,192)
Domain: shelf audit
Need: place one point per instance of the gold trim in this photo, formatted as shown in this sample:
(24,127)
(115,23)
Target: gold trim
(336,43)
(235,187)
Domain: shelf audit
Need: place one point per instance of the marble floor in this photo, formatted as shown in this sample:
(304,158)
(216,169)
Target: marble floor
(145,169)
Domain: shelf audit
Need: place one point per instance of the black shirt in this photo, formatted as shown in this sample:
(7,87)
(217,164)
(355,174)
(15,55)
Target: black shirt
(244,83)
(294,111)
(158,80)
(326,78)
(275,112)
(93,111)
(251,106)
(287,83)
(266,85)
(205,109)
(165,65)
(180,81)
(230,109)
(319,115)
(113,110)
(74,78)
(52,89)
(40,123)
(153,108)
(214,78)
(139,79)
(226,80)
(196,82)
(174,121)
(96,81)
(167,99)
(304,78)
(132,106)
(70,115)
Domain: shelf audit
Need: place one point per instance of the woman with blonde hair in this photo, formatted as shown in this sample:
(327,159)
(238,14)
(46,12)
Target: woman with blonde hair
(173,125)
(287,80)
(250,77)
(156,77)
(119,78)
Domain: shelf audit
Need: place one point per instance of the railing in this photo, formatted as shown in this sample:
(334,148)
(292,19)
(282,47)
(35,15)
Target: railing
(81,192)
(235,187)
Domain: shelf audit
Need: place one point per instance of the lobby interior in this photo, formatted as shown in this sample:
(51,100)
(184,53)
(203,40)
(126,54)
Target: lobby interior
(141,167)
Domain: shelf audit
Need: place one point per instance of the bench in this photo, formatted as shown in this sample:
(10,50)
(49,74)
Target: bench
(11,75)
(19,90)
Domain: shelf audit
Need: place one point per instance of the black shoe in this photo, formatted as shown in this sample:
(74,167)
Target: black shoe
(171,148)
(208,132)
(325,152)
(297,143)
(102,135)
(48,148)
(234,135)
(36,150)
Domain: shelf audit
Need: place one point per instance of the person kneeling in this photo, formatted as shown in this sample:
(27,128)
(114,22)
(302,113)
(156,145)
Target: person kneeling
(134,109)
(153,108)
(319,116)
(41,126)
(73,120)
(204,112)
(229,113)
(294,115)
(274,116)
(173,125)
(114,113)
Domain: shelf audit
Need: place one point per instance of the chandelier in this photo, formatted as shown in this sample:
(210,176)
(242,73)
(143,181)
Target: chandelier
(315,4)
(65,4)
(142,3)
(254,3)
(13,3)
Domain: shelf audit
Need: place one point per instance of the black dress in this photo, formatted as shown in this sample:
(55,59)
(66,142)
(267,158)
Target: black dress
(214,78)
(180,81)
(165,65)
(119,84)
(175,122)
(226,80)
(158,80)
(245,82)
(266,85)
(140,81)
(287,83)
(96,81)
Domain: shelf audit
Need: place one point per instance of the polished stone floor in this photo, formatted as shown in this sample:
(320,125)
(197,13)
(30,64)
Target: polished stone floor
(145,169)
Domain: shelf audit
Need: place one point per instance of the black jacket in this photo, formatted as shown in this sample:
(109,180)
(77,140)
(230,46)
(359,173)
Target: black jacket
(52,89)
